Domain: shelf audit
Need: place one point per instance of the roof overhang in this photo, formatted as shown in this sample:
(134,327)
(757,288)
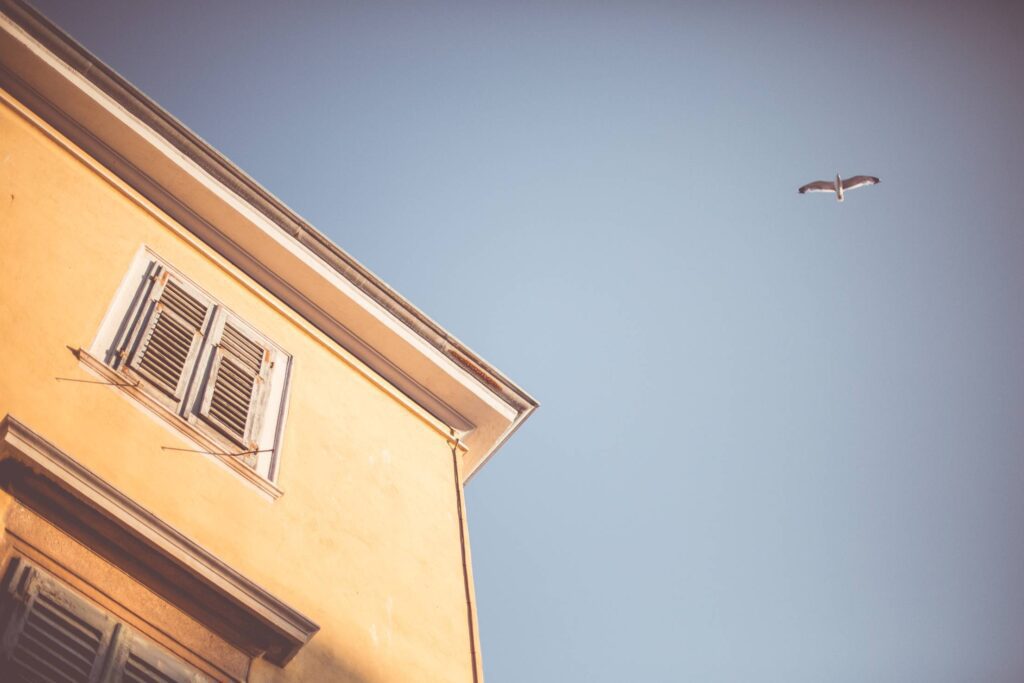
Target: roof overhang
(198,187)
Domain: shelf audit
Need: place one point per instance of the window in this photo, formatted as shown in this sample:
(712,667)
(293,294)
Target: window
(199,361)
(51,633)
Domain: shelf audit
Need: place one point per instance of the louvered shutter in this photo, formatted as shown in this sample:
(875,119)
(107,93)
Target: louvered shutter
(171,335)
(144,662)
(235,386)
(52,634)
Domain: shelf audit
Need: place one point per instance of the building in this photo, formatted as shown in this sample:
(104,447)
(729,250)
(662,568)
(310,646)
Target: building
(227,450)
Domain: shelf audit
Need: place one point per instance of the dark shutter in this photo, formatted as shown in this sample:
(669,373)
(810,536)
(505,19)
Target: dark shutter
(171,335)
(51,633)
(148,663)
(234,388)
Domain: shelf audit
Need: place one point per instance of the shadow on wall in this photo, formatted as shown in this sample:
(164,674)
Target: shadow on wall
(315,662)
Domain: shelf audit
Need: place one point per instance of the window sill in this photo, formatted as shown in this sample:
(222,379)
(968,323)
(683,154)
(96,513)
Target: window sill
(189,431)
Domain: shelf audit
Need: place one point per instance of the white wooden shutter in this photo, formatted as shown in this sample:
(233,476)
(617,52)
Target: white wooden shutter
(52,634)
(171,334)
(235,388)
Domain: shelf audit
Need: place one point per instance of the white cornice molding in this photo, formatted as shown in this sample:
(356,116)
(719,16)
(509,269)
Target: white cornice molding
(172,167)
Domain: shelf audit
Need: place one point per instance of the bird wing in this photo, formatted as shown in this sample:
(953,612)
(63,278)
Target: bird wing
(819,186)
(859,181)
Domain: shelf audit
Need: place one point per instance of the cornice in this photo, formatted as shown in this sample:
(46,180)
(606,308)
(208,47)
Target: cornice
(146,118)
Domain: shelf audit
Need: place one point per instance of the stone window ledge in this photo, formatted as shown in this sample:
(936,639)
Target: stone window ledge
(203,442)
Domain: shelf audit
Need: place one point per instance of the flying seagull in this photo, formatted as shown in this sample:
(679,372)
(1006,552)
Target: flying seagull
(840,185)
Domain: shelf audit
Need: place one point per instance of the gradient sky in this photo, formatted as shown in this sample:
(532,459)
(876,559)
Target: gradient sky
(781,438)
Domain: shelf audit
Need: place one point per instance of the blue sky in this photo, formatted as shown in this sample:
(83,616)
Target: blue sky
(780,437)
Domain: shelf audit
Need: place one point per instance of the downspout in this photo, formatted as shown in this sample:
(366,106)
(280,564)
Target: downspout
(470,607)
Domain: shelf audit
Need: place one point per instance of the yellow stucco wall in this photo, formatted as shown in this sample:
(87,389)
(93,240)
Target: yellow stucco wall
(365,540)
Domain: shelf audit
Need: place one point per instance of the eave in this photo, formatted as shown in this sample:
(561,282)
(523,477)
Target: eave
(189,180)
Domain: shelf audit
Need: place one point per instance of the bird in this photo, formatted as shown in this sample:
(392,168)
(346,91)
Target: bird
(839,185)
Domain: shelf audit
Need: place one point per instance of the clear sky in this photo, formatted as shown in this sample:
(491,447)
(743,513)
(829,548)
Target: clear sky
(781,438)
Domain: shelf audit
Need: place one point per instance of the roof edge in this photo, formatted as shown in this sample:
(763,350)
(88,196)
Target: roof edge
(242,184)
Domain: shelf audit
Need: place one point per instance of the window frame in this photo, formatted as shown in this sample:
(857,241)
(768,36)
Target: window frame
(117,345)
